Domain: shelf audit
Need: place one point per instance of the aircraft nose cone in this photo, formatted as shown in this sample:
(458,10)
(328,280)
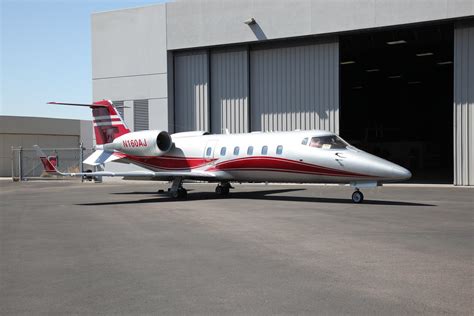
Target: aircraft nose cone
(400,173)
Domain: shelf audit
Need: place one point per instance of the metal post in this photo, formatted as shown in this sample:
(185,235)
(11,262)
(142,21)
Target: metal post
(81,156)
(98,179)
(57,158)
(20,164)
(13,163)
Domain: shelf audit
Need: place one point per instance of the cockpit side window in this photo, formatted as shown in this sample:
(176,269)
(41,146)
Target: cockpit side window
(328,142)
(304,141)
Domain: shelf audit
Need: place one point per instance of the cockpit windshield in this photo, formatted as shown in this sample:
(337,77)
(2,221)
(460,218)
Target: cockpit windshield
(328,142)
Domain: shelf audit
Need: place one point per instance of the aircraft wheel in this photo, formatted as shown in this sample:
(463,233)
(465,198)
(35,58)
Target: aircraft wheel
(357,197)
(222,190)
(226,190)
(182,193)
(88,178)
(175,194)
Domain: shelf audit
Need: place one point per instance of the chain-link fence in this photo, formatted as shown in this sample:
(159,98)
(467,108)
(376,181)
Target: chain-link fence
(26,165)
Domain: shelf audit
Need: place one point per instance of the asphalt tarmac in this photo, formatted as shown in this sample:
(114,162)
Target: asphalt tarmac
(119,248)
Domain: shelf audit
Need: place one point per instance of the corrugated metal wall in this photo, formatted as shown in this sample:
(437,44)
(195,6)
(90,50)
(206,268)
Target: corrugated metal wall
(120,107)
(191,74)
(464,105)
(295,88)
(140,115)
(229,91)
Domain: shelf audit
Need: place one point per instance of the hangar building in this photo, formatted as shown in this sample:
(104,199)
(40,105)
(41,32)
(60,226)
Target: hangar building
(393,77)
(21,131)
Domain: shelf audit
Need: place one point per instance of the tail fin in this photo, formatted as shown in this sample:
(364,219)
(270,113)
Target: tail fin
(108,123)
(49,167)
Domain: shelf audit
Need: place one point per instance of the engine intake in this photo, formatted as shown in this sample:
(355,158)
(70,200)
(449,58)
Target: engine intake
(163,141)
(142,143)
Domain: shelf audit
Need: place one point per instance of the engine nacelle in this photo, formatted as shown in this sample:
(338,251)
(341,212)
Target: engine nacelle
(142,143)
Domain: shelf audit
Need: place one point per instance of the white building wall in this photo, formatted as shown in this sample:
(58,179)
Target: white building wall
(129,58)
(199,23)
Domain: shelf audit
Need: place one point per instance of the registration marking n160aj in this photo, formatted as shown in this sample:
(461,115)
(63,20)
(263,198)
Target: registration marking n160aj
(131,143)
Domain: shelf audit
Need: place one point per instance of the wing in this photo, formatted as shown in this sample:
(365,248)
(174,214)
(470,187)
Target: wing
(50,168)
(100,157)
(148,175)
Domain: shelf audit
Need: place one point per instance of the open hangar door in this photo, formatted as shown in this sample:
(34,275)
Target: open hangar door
(396,91)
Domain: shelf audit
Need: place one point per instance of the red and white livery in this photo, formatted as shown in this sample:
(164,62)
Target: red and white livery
(313,156)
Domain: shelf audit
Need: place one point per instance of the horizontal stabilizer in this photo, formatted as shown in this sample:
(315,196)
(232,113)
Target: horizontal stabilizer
(86,104)
(100,157)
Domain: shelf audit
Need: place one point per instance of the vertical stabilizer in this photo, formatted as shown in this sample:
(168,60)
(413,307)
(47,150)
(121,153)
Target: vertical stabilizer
(108,123)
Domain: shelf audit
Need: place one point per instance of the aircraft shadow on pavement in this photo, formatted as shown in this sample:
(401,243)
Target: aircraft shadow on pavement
(268,195)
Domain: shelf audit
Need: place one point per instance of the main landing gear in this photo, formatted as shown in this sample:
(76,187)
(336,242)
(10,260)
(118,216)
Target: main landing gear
(177,191)
(357,196)
(223,188)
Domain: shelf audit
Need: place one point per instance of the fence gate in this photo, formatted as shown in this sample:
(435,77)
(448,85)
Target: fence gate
(26,165)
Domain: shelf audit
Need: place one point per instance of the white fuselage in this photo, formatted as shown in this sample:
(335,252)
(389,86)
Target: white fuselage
(288,157)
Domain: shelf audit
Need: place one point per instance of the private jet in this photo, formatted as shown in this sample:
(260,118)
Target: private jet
(312,156)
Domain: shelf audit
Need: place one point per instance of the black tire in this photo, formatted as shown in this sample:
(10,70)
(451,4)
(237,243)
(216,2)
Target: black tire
(222,190)
(357,197)
(225,190)
(88,178)
(182,193)
(175,194)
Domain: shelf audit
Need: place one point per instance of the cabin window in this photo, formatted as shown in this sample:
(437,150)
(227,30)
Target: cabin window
(223,149)
(279,150)
(236,150)
(208,151)
(328,142)
(264,150)
(305,141)
(250,150)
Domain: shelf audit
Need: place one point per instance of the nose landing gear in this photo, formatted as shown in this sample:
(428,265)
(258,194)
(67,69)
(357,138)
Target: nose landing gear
(357,196)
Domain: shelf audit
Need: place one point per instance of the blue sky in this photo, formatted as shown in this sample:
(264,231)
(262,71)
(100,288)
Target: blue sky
(45,54)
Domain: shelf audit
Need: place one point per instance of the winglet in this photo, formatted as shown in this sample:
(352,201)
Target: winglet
(47,165)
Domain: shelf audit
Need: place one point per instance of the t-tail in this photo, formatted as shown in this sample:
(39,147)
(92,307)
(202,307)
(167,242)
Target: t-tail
(108,123)
(48,166)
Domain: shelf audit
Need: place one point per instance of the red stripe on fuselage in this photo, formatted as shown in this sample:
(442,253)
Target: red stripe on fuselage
(262,163)
(170,162)
(258,163)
